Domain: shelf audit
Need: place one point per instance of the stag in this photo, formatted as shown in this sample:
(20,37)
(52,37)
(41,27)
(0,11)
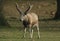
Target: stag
(29,20)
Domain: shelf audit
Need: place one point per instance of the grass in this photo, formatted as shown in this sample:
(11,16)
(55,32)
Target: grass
(49,29)
(11,34)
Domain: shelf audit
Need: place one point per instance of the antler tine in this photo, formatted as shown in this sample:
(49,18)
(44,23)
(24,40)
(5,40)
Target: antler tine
(17,7)
(29,8)
(30,5)
(16,4)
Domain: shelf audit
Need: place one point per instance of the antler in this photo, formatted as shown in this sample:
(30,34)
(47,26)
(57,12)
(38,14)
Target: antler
(29,8)
(17,7)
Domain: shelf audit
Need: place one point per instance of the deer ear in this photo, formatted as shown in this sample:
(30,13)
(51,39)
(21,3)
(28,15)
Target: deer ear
(18,9)
(29,8)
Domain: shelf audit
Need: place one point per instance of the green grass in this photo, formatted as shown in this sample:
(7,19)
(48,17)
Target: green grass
(11,34)
(48,28)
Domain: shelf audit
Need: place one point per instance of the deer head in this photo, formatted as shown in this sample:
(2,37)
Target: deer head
(22,14)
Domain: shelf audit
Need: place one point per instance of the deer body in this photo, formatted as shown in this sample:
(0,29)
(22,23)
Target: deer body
(29,20)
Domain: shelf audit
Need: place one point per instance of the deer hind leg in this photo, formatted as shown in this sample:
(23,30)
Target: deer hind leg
(38,30)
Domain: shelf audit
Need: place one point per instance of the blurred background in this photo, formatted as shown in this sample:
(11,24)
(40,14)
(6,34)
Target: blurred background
(45,9)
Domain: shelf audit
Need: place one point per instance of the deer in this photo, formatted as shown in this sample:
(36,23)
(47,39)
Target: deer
(29,20)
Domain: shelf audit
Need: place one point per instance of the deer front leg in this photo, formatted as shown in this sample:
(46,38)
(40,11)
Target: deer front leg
(31,31)
(24,32)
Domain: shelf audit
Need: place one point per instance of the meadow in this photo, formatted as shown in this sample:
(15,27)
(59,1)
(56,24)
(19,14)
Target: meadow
(49,28)
(14,34)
